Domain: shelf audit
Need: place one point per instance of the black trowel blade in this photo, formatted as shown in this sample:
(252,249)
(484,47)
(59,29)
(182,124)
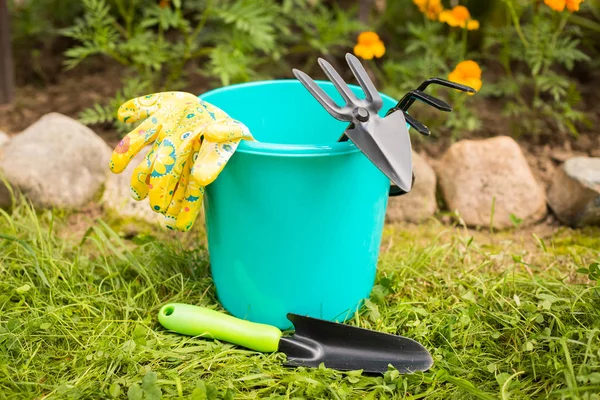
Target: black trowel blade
(348,348)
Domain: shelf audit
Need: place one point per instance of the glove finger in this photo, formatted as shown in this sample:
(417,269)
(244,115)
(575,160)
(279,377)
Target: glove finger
(140,107)
(146,133)
(177,200)
(194,193)
(190,206)
(160,175)
(212,159)
(144,106)
(168,166)
(140,178)
(222,131)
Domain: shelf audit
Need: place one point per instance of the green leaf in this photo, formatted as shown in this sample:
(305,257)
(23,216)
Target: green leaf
(135,392)
(199,393)
(230,65)
(139,331)
(372,310)
(23,289)
(212,393)
(391,375)
(516,221)
(128,346)
(379,293)
(594,378)
(539,319)
(353,379)
(150,387)
(229,395)
(594,271)
(12,324)
(584,271)
(502,378)
(255,20)
(469,296)
(114,390)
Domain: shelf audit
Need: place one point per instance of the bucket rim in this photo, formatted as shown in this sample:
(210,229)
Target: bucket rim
(284,149)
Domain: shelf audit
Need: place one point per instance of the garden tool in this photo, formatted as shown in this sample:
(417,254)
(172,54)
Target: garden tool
(384,141)
(425,98)
(378,153)
(315,341)
(191,143)
(418,94)
(405,103)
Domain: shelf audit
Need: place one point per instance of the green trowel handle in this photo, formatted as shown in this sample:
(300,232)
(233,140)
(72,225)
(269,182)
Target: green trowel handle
(198,321)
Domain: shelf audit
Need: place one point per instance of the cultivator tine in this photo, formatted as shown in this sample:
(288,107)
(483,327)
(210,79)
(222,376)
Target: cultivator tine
(418,126)
(441,82)
(425,98)
(338,82)
(372,95)
(318,93)
(418,94)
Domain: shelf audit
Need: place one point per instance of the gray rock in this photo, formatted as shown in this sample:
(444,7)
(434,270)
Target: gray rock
(478,177)
(420,203)
(56,162)
(574,194)
(117,196)
(4,138)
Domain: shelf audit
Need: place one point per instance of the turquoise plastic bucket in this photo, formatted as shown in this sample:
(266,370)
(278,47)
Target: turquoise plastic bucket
(294,221)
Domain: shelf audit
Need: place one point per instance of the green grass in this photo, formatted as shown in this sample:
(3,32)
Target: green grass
(503,317)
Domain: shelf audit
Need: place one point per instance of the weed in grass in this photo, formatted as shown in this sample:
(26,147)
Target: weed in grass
(78,320)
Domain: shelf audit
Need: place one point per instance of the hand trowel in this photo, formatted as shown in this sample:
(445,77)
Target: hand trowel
(314,341)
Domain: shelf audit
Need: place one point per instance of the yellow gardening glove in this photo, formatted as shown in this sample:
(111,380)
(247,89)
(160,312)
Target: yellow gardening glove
(193,141)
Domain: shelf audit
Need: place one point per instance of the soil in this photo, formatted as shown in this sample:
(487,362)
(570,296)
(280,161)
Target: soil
(69,93)
(72,92)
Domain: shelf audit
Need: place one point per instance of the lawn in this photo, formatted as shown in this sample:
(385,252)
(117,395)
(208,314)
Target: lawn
(505,315)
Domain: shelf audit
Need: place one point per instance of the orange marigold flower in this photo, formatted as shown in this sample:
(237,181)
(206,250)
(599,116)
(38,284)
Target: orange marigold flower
(472,25)
(369,45)
(556,5)
(559,5)
(467,73)
(431,8)
(573,5)
(459,16)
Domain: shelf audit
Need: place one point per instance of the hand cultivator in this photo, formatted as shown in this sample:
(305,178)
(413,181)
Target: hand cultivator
(385,141)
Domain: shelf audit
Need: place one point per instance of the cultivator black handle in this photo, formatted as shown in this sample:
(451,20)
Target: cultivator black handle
(418,94)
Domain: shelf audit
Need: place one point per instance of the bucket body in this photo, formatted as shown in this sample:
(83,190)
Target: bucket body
(294,221)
